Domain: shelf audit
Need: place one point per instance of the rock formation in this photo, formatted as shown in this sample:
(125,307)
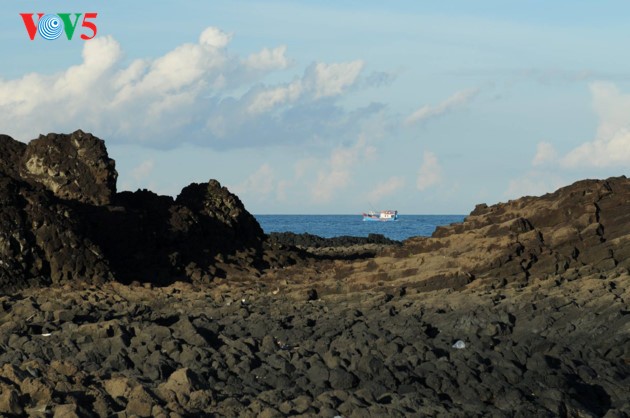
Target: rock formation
(521,310)
(73,167)
(62,221)
(578,230)
(342,247)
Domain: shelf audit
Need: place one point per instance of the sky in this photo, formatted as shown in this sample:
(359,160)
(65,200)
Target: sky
(333,107)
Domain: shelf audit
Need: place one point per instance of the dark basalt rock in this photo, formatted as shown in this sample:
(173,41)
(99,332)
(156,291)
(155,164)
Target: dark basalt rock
(307,240)
(41,241)
(223,212)
(155,238)
(11,152)
(62,221)
(370,341)
(582,226)
(73,167)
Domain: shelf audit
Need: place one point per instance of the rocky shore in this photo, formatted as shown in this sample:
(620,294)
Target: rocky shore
(134,304)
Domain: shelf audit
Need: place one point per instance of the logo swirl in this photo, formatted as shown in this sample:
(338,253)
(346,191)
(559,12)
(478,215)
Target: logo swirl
(50,27)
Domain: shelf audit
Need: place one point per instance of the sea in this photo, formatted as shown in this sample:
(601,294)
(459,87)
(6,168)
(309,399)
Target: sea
(329,226)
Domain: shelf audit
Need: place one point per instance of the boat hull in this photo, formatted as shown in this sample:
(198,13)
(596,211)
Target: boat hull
(383,216)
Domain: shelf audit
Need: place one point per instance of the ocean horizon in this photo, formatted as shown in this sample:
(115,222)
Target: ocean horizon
(329,226)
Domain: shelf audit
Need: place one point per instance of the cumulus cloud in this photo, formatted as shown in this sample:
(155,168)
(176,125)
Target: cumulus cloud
(196,93)
(386,188)
(319,81)
(269,59)
(545,153)
(332,79)
(337,172)
(214,38)
(459,99)
(430,172)
(270,98)
(614,151)
(611,147)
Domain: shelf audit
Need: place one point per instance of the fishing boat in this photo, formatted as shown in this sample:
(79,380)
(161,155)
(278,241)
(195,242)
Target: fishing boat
(384,215)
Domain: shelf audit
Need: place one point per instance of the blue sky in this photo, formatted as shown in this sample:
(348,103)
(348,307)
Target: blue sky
(334,107)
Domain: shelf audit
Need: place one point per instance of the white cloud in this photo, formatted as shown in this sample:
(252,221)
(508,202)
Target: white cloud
(601,153)
(457,100)
(332,79)
(57,96)
(268,59)
(197,93)
(268,99)
(337,172)
(214,38)
(611,147)
(386,188)
(319,81)
(545,153)
(430,172)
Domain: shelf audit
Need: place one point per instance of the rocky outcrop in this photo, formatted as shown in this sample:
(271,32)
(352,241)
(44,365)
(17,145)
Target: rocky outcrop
(223,212)
(62,221)
(73,167)
(577,231)
(41,240)
(11,152)
(522,307)
(340,248)
(204,234)
(306,240)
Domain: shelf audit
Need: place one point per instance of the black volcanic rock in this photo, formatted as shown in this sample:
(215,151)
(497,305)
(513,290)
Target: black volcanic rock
(154,238)
(41,241)
(226,211)
(543,319)
(584,225)
(307,240)
(11,152)
(61,221)
(73,167)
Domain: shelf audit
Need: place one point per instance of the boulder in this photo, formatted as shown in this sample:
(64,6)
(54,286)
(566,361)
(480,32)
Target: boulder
(222,213)
(73,167)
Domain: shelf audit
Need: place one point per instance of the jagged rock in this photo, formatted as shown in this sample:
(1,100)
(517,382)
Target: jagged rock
(153,238)
(584,224)
(9,400)
(66,411)
(73,167)
(538,289)
(62,221)
(179,386)
(223,211)
(11,152)
(41,241)
(140,403)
